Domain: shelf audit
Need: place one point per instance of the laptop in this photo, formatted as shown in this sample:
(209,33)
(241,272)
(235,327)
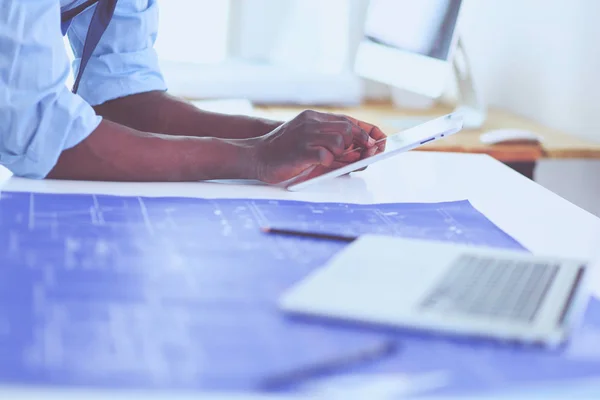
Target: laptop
(446,288)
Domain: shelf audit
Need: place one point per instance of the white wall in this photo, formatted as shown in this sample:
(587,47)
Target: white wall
(541,59)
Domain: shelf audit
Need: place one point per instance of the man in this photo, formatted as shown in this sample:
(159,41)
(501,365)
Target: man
(121,125)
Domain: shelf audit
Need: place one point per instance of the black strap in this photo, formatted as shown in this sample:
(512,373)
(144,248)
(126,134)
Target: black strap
(69,15)
(103,14)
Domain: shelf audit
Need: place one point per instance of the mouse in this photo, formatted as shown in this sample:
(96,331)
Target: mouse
(504,136)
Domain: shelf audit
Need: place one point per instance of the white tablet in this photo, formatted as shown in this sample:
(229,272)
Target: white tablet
(396,143)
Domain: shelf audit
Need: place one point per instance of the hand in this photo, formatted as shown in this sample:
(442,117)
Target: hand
(311,144)
(359,153)
(374,132)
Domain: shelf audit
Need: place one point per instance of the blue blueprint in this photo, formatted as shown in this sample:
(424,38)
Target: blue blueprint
(180,293)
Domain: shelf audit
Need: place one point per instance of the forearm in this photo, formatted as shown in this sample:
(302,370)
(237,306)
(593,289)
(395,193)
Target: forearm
(162,113)
(118,153)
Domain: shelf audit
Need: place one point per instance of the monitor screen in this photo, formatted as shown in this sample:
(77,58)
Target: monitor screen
(424,27)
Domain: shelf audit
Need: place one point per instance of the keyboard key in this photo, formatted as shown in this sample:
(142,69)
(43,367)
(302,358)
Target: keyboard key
(486,286)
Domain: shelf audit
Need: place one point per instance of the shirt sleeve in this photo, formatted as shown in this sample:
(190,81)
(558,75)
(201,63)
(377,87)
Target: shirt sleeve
(125,62)
(39,116)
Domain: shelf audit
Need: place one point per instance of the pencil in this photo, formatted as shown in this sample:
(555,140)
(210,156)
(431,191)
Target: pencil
(334,365)
(314,235)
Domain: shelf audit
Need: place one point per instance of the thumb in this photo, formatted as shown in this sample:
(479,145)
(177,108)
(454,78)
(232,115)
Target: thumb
(301,177)
(311,159)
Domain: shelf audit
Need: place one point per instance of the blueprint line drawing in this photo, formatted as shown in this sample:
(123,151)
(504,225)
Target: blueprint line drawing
(180,293)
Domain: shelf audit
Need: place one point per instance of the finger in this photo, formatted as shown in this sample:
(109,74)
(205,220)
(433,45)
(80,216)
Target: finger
(361,137)
(318,155)
(342,128)
(380,138)
(359,134)
(364,125)
(373,131)
(370,152)
(377,133)
(349,157)
(301,177)
(333,142)
(312,161)
(314,171)
(309,173)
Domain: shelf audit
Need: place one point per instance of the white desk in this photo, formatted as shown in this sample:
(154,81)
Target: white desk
(540,220)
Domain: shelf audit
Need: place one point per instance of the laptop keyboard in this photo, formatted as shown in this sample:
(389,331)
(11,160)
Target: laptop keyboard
(493,287)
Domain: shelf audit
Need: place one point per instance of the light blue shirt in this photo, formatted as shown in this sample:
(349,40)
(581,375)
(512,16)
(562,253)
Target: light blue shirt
(39,116)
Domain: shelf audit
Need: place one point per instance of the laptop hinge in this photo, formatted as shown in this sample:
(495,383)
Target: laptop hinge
(572,295)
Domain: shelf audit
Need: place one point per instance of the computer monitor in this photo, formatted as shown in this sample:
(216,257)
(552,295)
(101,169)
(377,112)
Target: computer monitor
(410,44)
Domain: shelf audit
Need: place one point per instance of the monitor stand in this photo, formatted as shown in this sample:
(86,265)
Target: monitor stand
(469,99)
(469,102)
